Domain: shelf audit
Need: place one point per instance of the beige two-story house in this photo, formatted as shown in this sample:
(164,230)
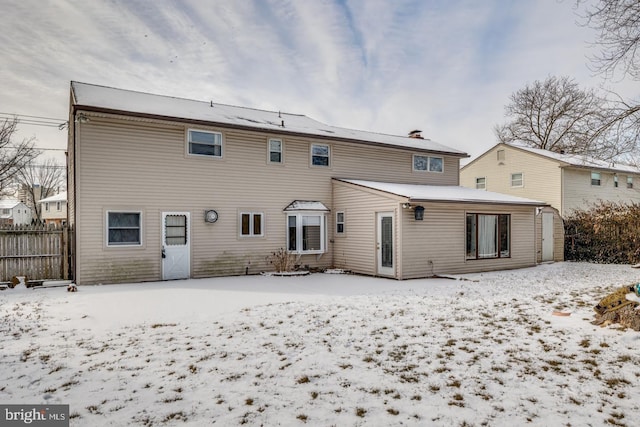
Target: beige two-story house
(164,188)
(567,182)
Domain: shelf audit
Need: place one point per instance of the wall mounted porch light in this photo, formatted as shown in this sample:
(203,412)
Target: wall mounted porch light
(418,213)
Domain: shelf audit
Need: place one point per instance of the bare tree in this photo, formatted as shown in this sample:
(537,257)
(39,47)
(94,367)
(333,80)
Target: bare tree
(557,115)
(40,180)
(13,155)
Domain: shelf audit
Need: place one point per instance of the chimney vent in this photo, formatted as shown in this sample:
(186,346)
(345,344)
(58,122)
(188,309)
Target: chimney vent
(416,134)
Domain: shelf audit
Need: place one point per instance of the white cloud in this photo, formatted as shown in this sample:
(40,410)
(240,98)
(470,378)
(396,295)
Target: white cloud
(447,68)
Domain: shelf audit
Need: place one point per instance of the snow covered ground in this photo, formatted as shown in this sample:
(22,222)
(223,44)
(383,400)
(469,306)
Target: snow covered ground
(327,349)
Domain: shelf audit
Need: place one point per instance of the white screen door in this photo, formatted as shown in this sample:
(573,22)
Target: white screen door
(176,262)
(384,244)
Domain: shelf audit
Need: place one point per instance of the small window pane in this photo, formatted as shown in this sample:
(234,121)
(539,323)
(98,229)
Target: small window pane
(481,183)
(629,182)
(595,178)
(503,227)
(245,224)
(292,233)
(340,222)
(175,230)
(471,236)
(420,163)
(435,164)
(257,224)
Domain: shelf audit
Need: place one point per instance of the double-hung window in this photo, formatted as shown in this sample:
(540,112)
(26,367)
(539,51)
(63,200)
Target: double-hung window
(124,228)
(320,155)
(481,183)
(595,179)
(275,151)
(251,224)
(488,236)
(427,163)
(339,222)
(517,179)
(306,233)
(204,143)
(615,181)
(46,206)
(629,181)
(58,206)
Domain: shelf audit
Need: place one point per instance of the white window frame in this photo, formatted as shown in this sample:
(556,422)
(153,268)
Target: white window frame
(299,242)
(108,228)
(269,151)
(596,182)
(46,206)
(328,156)
(615,181)
(514,182)
(252,216)
(629,181)
(58,206)
(482,186)
(426,160)
(340,223)
(215,144)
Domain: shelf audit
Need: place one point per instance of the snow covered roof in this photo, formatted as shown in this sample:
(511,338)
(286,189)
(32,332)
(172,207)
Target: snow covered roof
(9,203)
(60,197)
(443,193)
(305,205)
(88,96)
(579,160)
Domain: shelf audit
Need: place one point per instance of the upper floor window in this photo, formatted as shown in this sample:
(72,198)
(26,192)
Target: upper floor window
(251,224)
(481,183)
(629,181)
(58,206)
(275,151)
(6,211)
(595,178)
(517,179)
(124,228)
(204,143)
(615,181)
(427,163)
(320,154)
(46,207)
(339,222)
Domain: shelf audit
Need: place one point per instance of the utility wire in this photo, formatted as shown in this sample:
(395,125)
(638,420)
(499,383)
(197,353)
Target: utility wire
(35,120)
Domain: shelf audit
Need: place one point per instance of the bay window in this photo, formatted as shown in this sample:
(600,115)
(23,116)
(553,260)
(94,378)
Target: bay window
(306,233)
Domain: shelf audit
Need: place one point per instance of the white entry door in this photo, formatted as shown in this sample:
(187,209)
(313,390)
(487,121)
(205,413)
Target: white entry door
(547,236)
(384,244)
(176,259)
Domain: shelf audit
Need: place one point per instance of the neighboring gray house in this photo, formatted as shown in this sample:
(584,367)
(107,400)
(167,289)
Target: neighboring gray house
(166,188)
(567,182)
(14,212)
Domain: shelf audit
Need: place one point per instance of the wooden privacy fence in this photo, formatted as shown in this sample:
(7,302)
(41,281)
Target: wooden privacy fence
(39,252)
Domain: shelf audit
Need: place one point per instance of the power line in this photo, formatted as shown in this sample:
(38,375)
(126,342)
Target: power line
(35,120)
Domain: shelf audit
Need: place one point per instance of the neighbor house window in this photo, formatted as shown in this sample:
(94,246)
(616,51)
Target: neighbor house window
(46,207)
(320,154)
(488,236)
(481,183)
(275,151)
(615,181)
(124,228)
(203,143)
(629,182)
(6,211)
(595,178)
(340,222)
(306,233)
(500,155)
(428,163)
(58,206)
(251,224)
(517,179)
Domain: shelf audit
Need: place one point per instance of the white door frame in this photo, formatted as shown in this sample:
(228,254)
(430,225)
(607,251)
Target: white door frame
(547,236)
(176,259)
(381,268)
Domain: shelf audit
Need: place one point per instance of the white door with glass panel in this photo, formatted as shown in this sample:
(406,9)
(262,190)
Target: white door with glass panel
(176,260)
(384,244)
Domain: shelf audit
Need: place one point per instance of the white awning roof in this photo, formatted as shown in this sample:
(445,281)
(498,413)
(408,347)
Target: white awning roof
(305,205)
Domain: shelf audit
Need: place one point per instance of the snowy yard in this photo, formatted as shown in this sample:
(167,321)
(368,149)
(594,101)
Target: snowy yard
(327,349)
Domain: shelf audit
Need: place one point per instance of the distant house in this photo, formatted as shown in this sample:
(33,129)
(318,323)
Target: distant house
(567,182)
(167,188)
(14,212)
(53,210)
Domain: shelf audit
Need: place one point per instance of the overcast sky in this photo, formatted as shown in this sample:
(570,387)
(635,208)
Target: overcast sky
(445,67)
